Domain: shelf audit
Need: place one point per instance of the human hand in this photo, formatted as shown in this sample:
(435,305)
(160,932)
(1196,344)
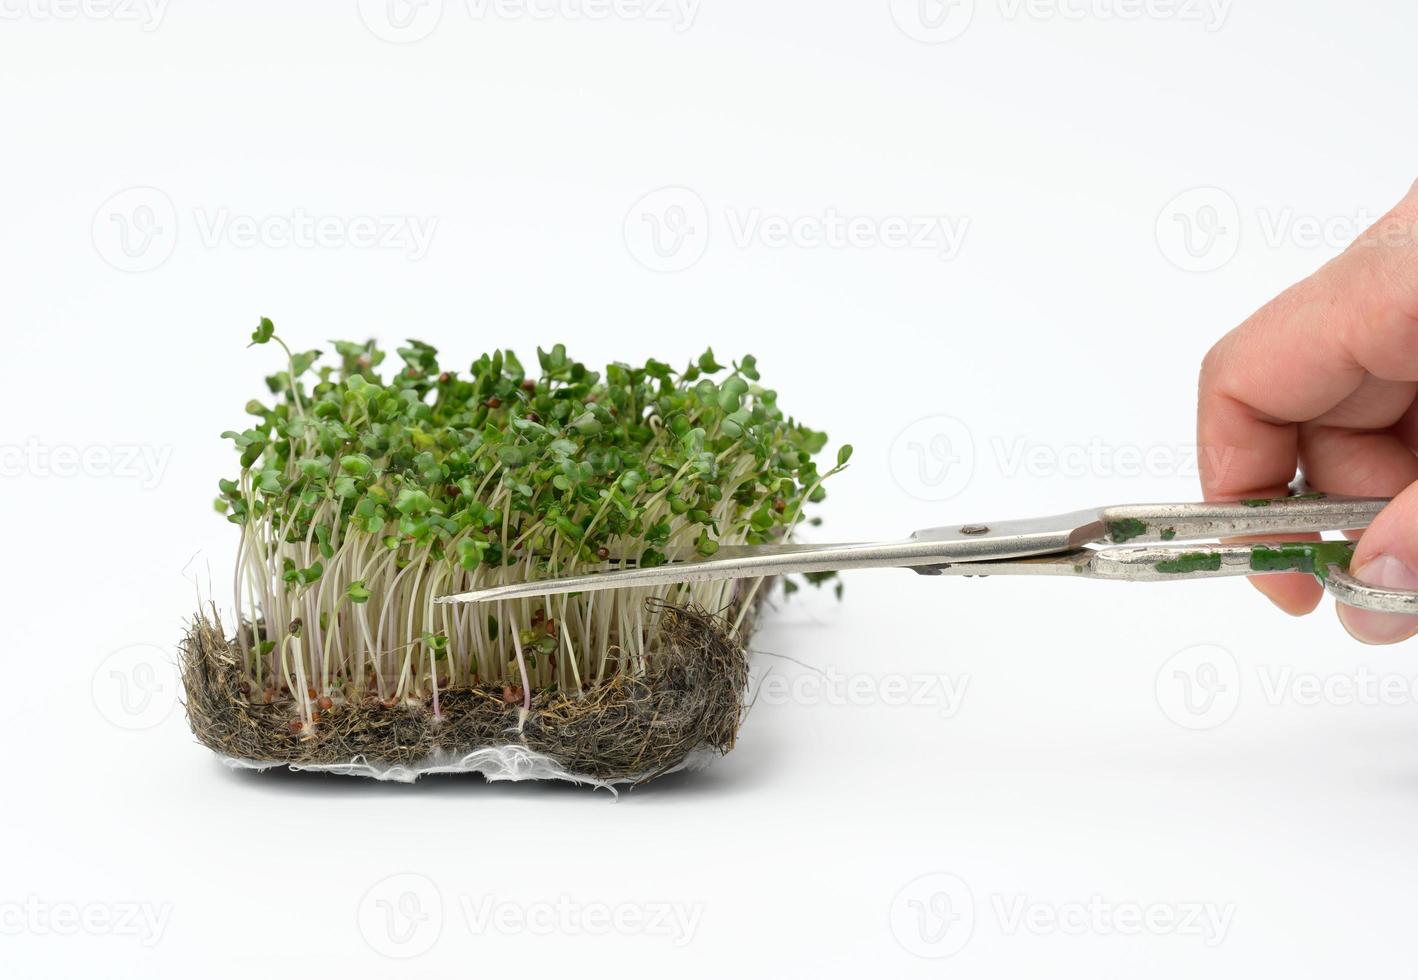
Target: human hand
(1323,379)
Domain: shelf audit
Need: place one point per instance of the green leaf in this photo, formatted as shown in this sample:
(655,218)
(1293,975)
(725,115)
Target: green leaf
(412,502)
(265,330)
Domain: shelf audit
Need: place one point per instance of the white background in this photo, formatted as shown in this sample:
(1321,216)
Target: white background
(1046,350)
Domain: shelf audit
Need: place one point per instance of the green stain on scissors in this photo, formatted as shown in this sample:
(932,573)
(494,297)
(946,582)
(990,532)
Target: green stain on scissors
(1313,557)
(1169,533)
(1126,529)
(1191,561)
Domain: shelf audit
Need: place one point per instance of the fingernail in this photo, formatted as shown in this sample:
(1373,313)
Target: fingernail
(1368,626)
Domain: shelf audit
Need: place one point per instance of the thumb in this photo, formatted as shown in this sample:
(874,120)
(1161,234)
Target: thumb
(1387,556)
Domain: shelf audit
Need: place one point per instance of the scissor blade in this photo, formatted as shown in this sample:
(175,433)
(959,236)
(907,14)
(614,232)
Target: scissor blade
(743,562)
(769,561)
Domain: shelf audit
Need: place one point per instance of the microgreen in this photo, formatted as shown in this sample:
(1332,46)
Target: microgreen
(365,493)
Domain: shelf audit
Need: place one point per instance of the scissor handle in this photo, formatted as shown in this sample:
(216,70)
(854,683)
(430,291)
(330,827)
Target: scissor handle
(1268,516)
(1349,590)
(1326,560)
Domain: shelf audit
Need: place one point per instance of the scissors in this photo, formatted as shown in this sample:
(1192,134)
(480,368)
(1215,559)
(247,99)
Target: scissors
(1130,543)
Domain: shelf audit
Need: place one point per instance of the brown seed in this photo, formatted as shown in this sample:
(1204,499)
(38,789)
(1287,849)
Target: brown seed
(325,704)
(528,384)
(494,402)
(603,553)
(296,726)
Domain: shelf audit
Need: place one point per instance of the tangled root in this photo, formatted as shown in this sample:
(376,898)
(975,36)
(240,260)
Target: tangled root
(630,728)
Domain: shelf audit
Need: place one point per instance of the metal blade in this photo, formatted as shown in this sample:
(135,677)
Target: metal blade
(937,546)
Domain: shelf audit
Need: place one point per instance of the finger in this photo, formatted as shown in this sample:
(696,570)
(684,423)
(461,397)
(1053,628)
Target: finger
(1386,555)
(1357,448)
(1356,462)
(1361,464)
(1301,356)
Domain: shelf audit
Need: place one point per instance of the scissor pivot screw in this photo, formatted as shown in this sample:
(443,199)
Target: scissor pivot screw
(974,529)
